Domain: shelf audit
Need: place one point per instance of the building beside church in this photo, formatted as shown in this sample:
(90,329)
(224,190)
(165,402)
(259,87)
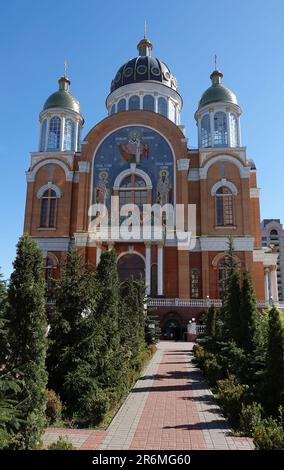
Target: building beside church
(273,236)
(140,154)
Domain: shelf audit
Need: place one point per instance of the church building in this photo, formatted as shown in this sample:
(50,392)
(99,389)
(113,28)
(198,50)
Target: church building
(139,154)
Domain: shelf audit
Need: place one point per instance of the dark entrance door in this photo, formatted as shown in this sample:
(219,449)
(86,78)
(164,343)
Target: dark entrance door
(172,330)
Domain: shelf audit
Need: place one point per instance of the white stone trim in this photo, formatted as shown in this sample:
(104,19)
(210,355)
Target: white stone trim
(49,185)
(32,173)
(53,243)
(129,171)
(266,256)
(254,192)
(244,171)
(193,174)
(84,167)
(183,164)
(227,184)
(221,243)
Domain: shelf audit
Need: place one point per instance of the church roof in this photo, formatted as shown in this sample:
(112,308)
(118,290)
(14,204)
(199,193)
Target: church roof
(217,92)
(62,98)
(143,68)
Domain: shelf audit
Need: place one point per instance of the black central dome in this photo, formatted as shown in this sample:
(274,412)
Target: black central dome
(144,68)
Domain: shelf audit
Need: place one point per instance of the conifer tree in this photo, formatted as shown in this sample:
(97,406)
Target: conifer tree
(248,315)
(274,372)
(73,293)
(111,361)
(27,339)
(211,321)
(132,316)
(230,310)
(3,320)
(233,306)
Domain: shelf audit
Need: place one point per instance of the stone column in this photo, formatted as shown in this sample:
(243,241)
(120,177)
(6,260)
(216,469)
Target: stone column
(98,253)
(273,283)
(266,284)
(148,268)
(160,269)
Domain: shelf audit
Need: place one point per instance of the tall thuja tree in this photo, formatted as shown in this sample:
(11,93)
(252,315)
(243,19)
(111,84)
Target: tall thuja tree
(132,316)
(73,293)
(211,321)
(9,386)
(248,315)
(27,339)
(273,395)
(231,296)
(3,320)
(111,363)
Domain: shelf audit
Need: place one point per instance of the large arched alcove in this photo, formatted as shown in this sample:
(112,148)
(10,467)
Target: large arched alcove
(131,265)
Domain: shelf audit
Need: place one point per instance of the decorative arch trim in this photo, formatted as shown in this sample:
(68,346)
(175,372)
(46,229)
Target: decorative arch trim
(120,177)
(32,174)
(130,252)
(216,260)
(53,258)
(227,184)
(47,186)
(244,171)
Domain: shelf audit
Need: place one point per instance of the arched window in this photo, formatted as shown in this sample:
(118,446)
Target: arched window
(69,134)
(48,209)
(134,102)
(224,206)
(220,129)
(273,234)
(43,136)
(205,131)
(162,106)
(121,106)
(133,191)
(112,109)
(54,134)
(195,283)
(223,274)
(50,267)
(234,130)
(154,280)
(148,103)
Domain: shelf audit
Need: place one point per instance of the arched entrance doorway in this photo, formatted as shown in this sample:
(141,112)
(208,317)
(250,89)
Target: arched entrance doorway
(172,329)
(131,264)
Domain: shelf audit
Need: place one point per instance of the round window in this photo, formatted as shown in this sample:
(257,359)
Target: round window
(141,69)
(118,77)
(155,71)
(167,75)
(128,72)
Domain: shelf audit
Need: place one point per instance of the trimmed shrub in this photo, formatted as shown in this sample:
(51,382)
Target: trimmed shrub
(53,407)
(200,354)
(251,417)
(62,443)
(230,394)
(213,370)
(269,435)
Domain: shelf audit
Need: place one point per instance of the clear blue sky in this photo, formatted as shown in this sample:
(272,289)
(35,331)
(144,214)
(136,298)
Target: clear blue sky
(96,37)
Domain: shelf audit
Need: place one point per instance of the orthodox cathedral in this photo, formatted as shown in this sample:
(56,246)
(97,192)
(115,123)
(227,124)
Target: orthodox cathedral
(139,155)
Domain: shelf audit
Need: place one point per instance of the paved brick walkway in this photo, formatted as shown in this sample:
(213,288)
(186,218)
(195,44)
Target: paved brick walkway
(170,407)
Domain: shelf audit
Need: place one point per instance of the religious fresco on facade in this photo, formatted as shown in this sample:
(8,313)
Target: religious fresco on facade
(143,147)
